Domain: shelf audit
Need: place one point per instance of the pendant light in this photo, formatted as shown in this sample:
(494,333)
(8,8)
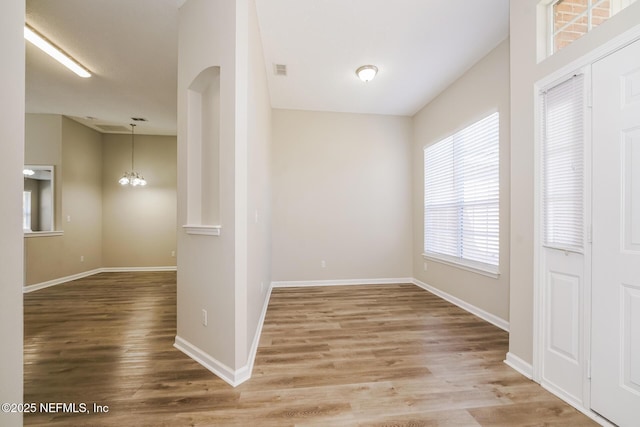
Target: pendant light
(132,178)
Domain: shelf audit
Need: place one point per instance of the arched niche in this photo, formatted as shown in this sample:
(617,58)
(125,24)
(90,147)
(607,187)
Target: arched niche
(203,153)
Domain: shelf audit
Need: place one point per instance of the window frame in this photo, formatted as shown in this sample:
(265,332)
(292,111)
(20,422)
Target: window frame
(483,268)
(26,211)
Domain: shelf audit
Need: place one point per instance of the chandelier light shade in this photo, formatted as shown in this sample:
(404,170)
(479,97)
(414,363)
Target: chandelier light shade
(366,73)
(132,178)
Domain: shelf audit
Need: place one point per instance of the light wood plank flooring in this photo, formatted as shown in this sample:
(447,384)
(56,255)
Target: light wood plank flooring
(383,355)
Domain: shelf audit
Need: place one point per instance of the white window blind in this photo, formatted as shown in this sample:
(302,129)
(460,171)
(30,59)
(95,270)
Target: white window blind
(563,164)
(461,196)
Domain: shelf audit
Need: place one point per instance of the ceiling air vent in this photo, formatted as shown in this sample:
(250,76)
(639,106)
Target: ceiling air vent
(279,69)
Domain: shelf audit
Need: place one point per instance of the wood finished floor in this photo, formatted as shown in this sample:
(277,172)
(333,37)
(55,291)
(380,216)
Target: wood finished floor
(382,355)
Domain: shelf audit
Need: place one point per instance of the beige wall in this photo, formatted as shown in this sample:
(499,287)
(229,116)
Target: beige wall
(480,91)
(259,178)
(103,224)
(207,264)
(342,194)
(11,243)
(81,196)
(525,71)
(139,223)
(76,152)
(224,274)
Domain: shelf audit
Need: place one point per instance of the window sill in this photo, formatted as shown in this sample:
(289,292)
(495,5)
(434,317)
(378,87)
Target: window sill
(203,230)
(43,233)
(474,267)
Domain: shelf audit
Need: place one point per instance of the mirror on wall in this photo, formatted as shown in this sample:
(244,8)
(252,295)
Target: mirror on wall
(37,199)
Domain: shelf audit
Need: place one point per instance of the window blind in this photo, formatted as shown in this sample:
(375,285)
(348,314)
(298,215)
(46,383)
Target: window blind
(563,164)
(461,195)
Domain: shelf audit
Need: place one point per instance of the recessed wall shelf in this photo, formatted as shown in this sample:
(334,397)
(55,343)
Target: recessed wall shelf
(203,152)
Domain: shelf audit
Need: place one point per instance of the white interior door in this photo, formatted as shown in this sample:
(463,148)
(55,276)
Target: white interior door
(615,354)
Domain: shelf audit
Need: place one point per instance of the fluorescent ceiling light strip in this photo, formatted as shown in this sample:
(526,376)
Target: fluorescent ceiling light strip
(54,52)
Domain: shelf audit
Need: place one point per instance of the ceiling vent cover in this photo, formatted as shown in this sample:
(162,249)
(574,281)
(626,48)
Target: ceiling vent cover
(279,69)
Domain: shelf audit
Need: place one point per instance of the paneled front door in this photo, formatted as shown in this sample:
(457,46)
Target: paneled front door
(615,379)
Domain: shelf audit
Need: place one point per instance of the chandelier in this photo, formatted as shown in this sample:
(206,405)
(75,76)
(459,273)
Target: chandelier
(132,178)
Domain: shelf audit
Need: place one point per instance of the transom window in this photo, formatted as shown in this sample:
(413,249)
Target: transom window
(571,19)
(461,197)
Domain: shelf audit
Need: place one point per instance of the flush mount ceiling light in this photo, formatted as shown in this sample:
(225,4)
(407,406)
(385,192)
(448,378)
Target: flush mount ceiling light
(366,73)
(55,52)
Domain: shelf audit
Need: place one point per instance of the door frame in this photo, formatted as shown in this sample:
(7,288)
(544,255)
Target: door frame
(580,65)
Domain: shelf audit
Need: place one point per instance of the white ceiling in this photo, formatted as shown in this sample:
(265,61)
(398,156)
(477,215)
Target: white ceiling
(130,46)
(419,46)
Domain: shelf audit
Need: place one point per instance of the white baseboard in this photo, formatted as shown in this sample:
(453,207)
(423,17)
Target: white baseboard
(519,365)
(340,282)
(61,280)
(493,319)
(228,375)
(256,338)
(137,269)
(54,282)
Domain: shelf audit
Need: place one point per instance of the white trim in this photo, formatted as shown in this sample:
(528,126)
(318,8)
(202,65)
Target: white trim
(464,264)
(538,303)
(256,338)
(491,318)
(58,281)
(231,377)
(595,55)
(137,269)
(519,365)
(228,375)
(586,296)
(30,234)
(340,282)
(61,280)
(203,230)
